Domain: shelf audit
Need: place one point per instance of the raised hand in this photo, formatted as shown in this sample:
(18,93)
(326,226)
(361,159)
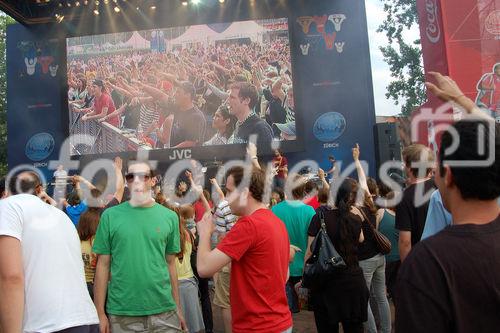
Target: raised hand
(445,88)
(321,173)
(355,152)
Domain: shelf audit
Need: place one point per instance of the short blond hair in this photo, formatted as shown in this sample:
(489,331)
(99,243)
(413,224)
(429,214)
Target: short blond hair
(415,153)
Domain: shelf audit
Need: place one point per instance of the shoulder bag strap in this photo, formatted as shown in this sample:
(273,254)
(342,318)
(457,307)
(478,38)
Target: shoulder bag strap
(322,220)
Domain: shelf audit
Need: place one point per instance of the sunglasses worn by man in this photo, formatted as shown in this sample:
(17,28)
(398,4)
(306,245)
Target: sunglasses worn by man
(143,176)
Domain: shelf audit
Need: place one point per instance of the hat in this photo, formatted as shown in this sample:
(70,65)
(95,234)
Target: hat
(98,83)
(188,87)
(287,128)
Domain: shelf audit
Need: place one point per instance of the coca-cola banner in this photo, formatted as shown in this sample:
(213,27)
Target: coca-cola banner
(461,38)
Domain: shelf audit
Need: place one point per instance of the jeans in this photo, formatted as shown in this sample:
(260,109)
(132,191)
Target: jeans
(374,272)
(206,306)
(291,295)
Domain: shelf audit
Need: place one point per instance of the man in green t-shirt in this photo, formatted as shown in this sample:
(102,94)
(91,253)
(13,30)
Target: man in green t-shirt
(296,216)
(136,243)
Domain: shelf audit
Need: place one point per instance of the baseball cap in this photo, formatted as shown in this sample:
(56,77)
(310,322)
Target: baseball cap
(287,128)
(98,83)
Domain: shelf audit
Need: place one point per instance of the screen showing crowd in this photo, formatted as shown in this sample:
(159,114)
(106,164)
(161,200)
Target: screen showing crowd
(201,85)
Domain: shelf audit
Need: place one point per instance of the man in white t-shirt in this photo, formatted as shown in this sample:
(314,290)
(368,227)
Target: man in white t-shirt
(42,281)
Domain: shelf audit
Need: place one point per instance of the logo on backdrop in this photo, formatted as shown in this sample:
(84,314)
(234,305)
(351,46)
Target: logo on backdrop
(329,126)
(432,30)
(327,28)
(488,92)
(41,55)
(492,23)
(39,147)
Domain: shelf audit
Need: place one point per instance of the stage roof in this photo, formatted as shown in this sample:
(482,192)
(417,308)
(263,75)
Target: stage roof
(44,11)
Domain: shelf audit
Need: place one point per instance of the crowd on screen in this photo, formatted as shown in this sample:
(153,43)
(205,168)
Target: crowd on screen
(202,95)
(143,260)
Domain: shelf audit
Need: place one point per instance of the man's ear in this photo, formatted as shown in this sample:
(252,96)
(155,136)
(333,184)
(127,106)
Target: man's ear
(448,176)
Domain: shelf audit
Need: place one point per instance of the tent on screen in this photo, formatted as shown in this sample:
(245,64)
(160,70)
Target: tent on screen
(244,29)
(137,42)
(196,34)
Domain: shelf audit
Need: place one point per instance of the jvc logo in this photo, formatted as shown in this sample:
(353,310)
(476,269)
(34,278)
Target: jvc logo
(180,154)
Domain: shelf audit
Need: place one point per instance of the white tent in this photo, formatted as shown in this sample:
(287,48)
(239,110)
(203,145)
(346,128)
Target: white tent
(137,41)
(107,45)
(195,34)
(244,29)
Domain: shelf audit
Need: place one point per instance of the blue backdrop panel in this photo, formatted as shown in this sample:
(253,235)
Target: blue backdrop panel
(35,81)
(330,60)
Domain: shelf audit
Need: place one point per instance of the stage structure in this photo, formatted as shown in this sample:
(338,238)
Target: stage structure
(321,46)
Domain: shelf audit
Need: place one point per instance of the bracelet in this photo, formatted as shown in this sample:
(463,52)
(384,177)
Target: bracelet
(255,158)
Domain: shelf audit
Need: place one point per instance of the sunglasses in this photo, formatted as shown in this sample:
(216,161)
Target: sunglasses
(129,177)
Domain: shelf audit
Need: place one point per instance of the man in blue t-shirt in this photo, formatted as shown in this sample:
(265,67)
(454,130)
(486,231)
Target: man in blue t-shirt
(438,217)
(74,207)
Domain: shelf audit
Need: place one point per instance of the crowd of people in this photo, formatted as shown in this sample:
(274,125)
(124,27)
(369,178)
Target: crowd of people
(202,95)
(144,260)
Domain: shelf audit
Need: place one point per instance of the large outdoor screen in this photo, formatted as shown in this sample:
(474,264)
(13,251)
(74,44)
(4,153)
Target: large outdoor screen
(175,87)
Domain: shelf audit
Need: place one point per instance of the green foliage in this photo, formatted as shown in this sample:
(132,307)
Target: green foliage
(403,57)
(4,21)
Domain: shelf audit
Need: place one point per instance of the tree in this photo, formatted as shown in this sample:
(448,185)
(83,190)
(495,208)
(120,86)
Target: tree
(403,57)
(4,21)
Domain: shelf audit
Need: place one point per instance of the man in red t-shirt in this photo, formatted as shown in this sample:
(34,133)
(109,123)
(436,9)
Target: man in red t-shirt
(280,163)
(258,249)
(103,105)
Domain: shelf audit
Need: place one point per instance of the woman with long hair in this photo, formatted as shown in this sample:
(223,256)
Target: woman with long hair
(223,122)
(87,227)
(343,297)
(188,285)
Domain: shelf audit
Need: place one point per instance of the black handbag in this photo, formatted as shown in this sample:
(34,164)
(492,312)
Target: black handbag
(324,261)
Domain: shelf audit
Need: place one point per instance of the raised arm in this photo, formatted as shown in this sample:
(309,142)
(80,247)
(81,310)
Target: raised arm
(448,91)
(215,184)
(80,180)
(252,154)
(277,90)
(120,184)
(170,77)
(199,191)
(153,92)
(321,175)
(217,91)
(361,173)
(121,90)
(220,68)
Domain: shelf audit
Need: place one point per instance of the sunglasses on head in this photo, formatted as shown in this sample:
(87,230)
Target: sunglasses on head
(129,177)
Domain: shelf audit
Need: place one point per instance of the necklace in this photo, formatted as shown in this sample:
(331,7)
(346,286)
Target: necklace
(239,123)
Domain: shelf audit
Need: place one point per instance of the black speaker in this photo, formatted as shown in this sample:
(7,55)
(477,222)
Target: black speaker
(387,143)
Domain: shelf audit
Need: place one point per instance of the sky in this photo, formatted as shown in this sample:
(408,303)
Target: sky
(381,73)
